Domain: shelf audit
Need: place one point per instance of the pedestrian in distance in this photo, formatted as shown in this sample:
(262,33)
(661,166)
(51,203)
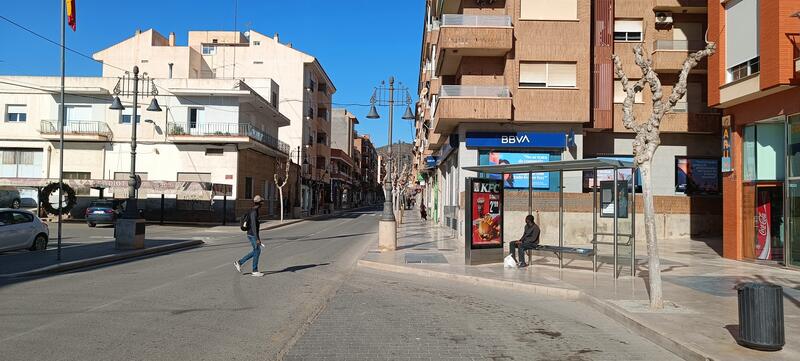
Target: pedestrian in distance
(251,225)
(423,212)
(529,240)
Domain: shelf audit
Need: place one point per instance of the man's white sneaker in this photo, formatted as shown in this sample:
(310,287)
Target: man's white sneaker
(257,274)
(238,266)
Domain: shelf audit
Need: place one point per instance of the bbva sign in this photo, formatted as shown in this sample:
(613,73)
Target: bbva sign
(514,139)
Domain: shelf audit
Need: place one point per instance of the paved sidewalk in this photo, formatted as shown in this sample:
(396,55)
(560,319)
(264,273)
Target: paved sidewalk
(700,321)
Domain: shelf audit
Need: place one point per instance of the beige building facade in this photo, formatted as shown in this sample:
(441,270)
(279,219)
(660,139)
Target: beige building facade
(304,97)
(209,130)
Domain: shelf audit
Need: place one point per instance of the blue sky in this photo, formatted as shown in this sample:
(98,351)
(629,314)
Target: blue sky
(359,42)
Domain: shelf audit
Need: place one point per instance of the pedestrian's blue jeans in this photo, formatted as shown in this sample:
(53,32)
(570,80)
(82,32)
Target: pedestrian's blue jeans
(253,254)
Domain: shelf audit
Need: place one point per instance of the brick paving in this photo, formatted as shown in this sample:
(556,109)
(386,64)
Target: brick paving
(377,315)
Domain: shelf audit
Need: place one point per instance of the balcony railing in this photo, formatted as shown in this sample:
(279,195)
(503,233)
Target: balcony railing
(476,20)
(228,130)
(78,128)
(679,45)
(475,91)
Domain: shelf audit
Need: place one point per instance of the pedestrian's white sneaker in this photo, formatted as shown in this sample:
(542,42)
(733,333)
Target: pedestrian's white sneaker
(257,274)
(238,266)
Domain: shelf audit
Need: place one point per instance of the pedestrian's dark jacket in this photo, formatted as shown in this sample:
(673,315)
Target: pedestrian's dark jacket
(255,225)
(531,235)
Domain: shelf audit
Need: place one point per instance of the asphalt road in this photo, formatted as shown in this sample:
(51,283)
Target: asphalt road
(388,316)
(189,305)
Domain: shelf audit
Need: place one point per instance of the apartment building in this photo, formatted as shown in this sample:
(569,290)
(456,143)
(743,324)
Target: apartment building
(367,157)
(209,130)
(305,95)
(519,81)
(753,78)
(344,183)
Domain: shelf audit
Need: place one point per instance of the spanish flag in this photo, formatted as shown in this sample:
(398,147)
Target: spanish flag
(71,14)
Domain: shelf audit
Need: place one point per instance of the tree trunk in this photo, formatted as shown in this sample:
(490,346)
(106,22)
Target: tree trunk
(654,263)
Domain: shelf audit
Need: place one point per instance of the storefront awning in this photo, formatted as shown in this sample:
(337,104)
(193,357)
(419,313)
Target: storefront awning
(564,165)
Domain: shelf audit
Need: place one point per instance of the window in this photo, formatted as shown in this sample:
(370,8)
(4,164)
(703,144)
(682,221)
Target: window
(763,151)
(312,85)
(322,113)
(215,151)
(78,114)
(549,10)
(258,62)
(127,175)
(619,92)
(6,219)
(547,75)
(18,218)
(794,145)
(248,188)
(126,115)
(628,30)
(145,61)
(310,113)
(322,138)
(16,113)
(322,87)
(744,70)
(209,50)
(697,175)
(196,116)
(742,38)
(22,163)
(256,43)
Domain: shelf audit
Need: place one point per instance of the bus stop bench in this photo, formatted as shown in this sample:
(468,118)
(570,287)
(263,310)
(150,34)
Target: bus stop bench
(558,251)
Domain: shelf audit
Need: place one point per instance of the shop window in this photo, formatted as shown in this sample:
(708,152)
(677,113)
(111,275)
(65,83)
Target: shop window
(541,181)
(697,175)
(248,188)
(76,176)
(794,145)
(763,152)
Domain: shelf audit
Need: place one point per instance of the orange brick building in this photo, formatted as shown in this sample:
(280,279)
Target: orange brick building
(754,79)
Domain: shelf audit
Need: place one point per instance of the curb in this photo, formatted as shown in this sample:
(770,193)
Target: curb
(625,319)
(68,266)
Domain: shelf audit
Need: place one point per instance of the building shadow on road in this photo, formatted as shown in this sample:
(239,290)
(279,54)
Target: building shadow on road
(297,268)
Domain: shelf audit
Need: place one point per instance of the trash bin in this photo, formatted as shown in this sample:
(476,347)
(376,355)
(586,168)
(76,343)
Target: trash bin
(761,316)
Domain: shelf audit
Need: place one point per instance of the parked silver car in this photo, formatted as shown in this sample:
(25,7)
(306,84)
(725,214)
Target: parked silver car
(9,197)
(21,229)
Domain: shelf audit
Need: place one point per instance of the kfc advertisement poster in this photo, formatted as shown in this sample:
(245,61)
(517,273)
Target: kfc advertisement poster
(486,213)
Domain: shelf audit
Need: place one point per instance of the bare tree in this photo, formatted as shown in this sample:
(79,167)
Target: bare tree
(280,183)
(648,139)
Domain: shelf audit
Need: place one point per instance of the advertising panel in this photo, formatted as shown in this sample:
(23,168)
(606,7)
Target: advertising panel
(485,213)
(607,199)
(763,226)
(623,174)
(540,180)
(697,175)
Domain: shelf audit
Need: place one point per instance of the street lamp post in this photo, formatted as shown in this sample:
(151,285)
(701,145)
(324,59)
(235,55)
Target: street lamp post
(130,229)
(387,232)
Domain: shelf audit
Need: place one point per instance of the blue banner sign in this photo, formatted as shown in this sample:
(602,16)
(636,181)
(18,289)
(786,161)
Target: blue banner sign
(516,140)
(431,161)
(540,180)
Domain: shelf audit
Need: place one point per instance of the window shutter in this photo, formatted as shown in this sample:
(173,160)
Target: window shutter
(742,33)
(17,109)
(628,26)
(549,10)
(561,75)
(533,74)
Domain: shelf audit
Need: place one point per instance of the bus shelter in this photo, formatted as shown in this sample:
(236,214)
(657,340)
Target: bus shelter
(609,197)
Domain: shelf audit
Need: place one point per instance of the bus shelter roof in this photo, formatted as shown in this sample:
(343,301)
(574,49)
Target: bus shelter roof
(563,165)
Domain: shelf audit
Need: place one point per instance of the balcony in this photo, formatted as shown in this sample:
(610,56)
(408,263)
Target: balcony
(223,133)
(81,131)
(471,103)
(682,119)
(797,65)
(669,55)
(472,35)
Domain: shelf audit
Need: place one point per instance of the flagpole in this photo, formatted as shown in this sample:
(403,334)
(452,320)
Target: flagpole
(61,118)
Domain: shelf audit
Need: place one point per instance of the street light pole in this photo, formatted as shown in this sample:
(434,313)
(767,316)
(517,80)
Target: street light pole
(387,231)
(130,229)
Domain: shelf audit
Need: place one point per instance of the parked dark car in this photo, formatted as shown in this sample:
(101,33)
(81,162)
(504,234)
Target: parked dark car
(9,198)
(103,211)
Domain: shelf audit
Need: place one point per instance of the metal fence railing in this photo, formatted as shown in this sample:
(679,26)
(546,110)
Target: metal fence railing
(476,20)
(684,45)
(73,127)
(228,129)
(500,91)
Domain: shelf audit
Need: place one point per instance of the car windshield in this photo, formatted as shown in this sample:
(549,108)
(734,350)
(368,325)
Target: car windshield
(102,205)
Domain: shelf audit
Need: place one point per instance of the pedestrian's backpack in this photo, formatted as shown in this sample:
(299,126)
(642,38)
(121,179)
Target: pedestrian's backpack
(245,222)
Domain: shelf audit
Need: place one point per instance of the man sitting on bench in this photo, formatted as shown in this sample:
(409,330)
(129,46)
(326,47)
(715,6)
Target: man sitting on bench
(529,240)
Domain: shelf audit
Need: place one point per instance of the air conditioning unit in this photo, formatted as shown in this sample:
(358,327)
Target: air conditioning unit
(663,18)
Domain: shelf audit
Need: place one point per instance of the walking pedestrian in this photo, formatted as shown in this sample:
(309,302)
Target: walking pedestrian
(251,224)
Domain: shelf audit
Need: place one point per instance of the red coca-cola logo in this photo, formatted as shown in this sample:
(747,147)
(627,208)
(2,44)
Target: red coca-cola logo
(763,223)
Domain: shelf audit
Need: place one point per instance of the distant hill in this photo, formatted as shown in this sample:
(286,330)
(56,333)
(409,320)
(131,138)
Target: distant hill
(401,151)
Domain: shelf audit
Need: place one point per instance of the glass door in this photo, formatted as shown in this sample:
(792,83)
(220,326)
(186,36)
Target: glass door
(793,191)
